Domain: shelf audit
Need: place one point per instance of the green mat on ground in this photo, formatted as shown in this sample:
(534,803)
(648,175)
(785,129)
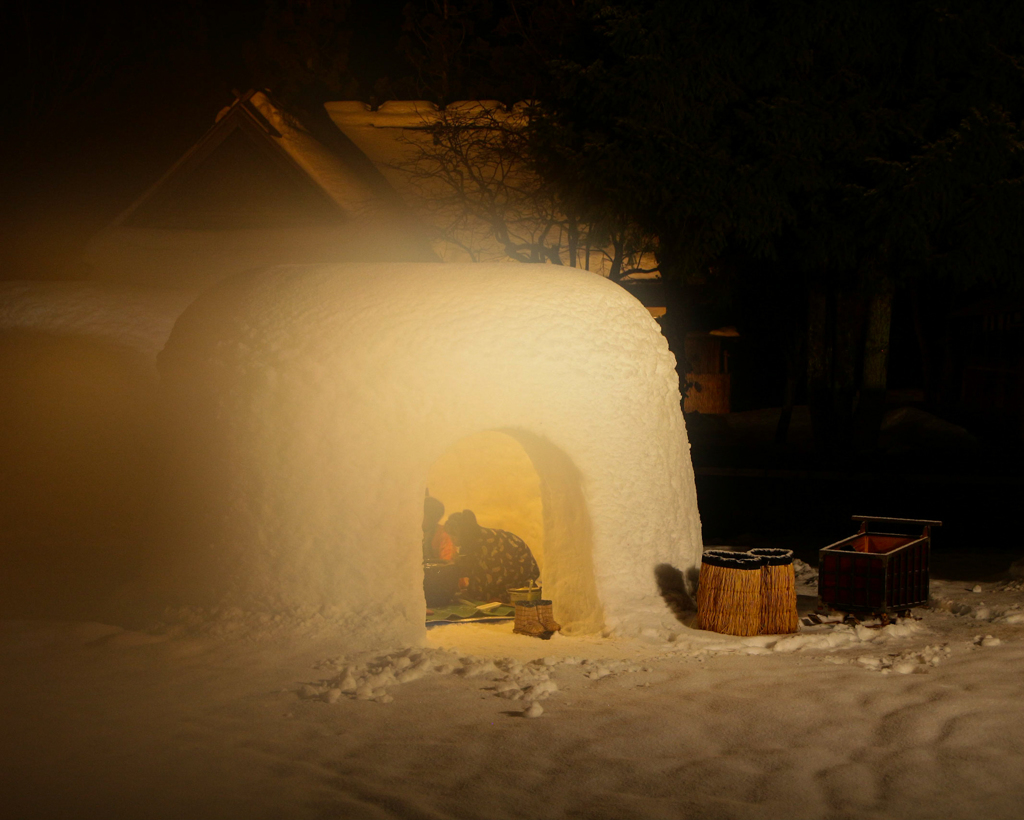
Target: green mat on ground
(468,611)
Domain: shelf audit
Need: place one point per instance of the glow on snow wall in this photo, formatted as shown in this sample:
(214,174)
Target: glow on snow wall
(308,406)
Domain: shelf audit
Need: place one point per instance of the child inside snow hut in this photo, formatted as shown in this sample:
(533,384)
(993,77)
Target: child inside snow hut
(437,544)
(493,560)
(440,572)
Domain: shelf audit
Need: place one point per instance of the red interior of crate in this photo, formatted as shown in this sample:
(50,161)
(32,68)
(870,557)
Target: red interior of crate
(870,572)
(879,543)
(883,573)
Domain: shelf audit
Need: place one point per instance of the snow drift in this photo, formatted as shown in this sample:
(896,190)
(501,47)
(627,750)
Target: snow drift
(78,415)
(306,406)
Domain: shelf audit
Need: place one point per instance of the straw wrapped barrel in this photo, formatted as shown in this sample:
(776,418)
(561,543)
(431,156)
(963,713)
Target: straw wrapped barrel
(778,591)
(707,588)
(729,593)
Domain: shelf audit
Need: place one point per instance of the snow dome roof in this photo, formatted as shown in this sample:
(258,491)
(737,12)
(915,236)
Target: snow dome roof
(309,403)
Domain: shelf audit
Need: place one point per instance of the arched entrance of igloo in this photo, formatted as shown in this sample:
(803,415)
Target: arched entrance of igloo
(518,482)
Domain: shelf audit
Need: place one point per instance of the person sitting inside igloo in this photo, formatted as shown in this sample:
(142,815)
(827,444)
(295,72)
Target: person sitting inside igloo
(493,560)
(437,544)
(441,575)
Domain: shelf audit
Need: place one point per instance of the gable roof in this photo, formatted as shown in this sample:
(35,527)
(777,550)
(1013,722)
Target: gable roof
(257,167)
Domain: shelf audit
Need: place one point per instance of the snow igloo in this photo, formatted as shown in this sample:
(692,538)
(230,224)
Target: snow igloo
(309,407)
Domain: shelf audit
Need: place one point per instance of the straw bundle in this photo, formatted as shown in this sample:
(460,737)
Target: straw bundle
(707,586)
(535,618)
(778,591)
(729,593)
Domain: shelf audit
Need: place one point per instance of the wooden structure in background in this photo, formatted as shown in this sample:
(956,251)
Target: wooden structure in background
(711,383)
(259,188)
(990,344)
(267,186)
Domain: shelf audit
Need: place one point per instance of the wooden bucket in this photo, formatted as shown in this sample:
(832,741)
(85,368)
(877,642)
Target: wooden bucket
(532,592)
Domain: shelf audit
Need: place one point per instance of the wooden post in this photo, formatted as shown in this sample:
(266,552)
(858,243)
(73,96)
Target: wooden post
(819,365)
(871,405)
(849,325)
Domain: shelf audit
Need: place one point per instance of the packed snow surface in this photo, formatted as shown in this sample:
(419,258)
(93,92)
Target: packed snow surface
(917,719)
(310,403)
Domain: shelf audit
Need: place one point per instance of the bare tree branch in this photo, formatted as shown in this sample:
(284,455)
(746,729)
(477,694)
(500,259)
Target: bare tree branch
(471,165)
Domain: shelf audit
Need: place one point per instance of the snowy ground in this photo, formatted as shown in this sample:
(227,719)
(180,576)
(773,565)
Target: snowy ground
(921,719)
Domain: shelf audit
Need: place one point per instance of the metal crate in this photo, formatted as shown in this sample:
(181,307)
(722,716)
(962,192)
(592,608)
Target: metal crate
(877,572)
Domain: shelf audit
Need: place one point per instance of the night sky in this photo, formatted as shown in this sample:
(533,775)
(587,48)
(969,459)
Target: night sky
(103,98)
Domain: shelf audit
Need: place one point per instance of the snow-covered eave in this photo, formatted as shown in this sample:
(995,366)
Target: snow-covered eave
(421,114)
(352,194)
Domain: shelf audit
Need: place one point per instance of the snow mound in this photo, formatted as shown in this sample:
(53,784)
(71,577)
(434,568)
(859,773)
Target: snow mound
(78,415)
(134,318)
(307,404)
(911,430)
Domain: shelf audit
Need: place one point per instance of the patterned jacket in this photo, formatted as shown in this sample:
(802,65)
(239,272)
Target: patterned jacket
(497,562)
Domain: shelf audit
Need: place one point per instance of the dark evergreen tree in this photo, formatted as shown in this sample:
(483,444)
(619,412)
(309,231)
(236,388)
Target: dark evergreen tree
(844,147)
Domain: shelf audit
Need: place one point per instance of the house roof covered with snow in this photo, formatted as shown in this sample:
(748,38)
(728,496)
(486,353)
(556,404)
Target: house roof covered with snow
(339,184)
(258,188)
